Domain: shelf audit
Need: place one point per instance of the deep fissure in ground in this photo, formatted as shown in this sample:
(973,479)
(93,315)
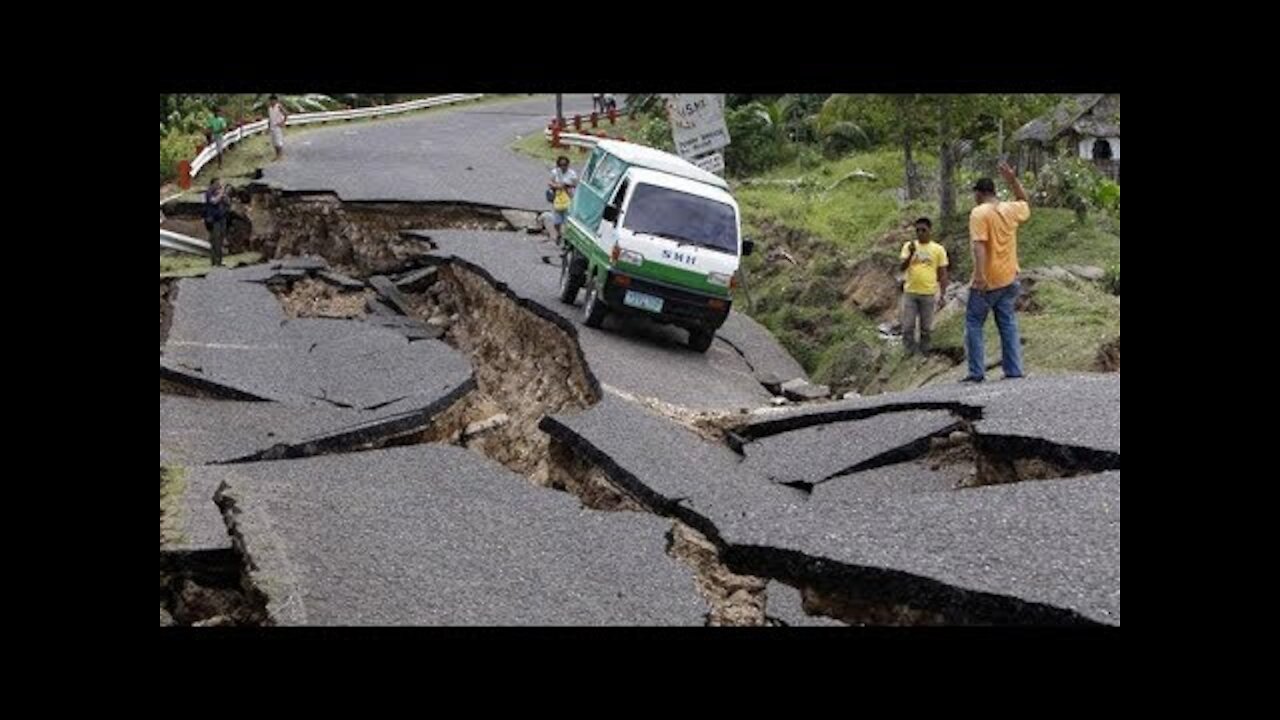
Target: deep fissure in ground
(205,588)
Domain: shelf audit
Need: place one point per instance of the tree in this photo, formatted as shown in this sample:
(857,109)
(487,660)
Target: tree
(908,110)
(946,161)
(963,122)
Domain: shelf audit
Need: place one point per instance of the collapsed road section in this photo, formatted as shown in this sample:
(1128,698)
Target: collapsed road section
(321,397)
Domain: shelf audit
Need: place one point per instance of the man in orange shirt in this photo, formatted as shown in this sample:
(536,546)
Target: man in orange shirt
(993,234)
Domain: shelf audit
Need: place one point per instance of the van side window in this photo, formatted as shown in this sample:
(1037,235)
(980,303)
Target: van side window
(591,166)
(607,172)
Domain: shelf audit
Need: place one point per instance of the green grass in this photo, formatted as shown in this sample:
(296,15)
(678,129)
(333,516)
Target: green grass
(1074,319)
(1053,237)
(853,215)
(173,483)
(537,146)
(830,230)
(177,266)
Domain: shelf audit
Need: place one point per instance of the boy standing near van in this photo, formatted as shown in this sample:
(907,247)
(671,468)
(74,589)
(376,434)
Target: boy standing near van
(925,263)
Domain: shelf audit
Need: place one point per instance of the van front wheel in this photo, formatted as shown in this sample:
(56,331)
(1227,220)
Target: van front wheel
(700,340)
(593,311)
(572,276)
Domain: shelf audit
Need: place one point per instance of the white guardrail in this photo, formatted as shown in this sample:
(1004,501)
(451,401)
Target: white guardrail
(575,140)
(183,243)
(232,137)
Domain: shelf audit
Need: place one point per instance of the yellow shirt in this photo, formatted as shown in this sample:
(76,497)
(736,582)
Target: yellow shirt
(996,225)
(922,273)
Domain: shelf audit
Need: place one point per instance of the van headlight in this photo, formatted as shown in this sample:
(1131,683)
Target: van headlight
(719,279)
(630,257)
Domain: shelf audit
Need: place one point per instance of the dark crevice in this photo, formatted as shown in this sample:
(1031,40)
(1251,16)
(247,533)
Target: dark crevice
(738,350)
(868,595)
(905,453)
(207,588)
(334,403)
(177,382)
(1004,459)
(741,435)
(527,361)
(384,403)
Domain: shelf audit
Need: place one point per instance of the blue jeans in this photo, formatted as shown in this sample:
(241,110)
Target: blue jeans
(1001,302)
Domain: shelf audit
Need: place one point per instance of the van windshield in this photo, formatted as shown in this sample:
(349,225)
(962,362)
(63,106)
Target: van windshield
(682,217)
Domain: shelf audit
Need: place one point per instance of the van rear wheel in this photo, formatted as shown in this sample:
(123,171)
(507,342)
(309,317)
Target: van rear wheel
(700,340)
(572,276)
(593,311)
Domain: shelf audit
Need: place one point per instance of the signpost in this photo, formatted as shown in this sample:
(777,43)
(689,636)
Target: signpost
(712,163)
(698,128)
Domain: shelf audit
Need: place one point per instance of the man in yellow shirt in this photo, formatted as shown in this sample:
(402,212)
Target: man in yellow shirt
(925,263)
(993,234)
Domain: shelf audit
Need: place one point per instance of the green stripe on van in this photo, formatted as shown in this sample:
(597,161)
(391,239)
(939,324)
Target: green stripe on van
(679,277)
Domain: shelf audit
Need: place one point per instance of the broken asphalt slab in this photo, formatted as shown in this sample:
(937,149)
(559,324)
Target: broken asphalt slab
(1078,410)
(410,327)
(885,544)
(437,535)
(388,291)
(417,280)
(758,347)
(902,478)
(303,262)
(1043,552)
(234,334)
(632,354)
(668,468)
(340,281)
(199,430)
(812,455)
(801,390)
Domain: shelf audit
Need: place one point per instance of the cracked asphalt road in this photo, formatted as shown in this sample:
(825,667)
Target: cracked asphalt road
(434,534)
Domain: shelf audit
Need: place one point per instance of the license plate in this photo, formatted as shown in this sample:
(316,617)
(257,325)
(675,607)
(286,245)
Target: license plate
(644,302)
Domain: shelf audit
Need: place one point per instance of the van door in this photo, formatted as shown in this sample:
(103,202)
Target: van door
(607,230)
(604,181)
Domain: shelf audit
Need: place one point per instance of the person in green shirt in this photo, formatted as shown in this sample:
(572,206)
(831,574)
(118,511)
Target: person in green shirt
(216,127)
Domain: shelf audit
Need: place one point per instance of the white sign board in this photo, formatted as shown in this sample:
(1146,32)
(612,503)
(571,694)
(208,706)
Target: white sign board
(713,163)
(697,124)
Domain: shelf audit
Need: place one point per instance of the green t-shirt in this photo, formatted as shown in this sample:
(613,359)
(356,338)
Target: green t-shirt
(217,125)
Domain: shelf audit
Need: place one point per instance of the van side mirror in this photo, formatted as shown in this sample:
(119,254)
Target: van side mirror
(748,247)
(611,213)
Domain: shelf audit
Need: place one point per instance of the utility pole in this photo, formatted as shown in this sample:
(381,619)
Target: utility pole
(560,109)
